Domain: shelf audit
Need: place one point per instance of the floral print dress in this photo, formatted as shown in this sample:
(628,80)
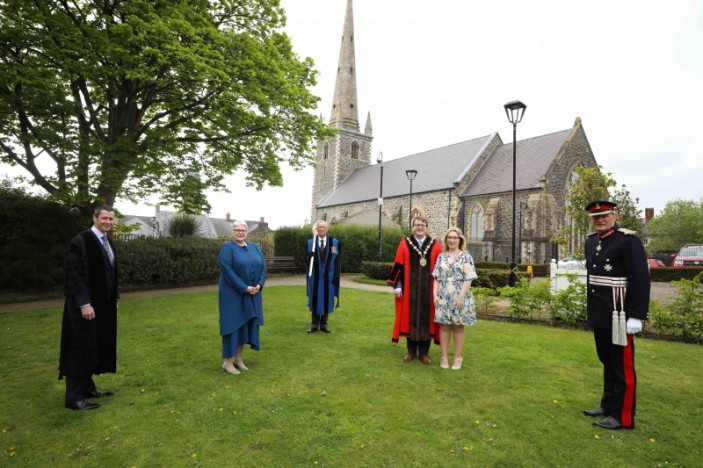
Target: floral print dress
(451,274)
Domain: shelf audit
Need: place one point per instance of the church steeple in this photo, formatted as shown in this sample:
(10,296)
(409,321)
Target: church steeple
(344,107)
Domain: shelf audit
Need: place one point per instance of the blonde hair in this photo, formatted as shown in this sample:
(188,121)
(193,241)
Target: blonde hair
(462,240)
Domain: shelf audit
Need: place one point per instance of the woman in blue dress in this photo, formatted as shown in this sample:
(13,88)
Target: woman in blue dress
(242,276)
(454,305)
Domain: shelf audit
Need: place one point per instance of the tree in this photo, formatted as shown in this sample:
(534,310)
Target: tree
(100,98)
(680,223)
(590,184)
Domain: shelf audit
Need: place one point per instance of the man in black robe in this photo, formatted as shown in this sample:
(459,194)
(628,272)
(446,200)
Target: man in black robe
(89,329)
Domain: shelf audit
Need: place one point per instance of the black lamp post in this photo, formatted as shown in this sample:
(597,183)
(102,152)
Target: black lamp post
(411,173)
(523,206)
(514,110)
(379,160)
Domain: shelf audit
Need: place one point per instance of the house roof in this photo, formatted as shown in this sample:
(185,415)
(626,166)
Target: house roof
(437,169)
(533,158)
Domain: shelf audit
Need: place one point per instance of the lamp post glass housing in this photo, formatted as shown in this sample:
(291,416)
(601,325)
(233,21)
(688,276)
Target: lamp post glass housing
(515,111)
(379,160)
(411,173)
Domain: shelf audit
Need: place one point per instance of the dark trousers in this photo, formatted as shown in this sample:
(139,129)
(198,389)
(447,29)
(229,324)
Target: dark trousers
(619,377)
(319,320)
(422,346)
(77,388)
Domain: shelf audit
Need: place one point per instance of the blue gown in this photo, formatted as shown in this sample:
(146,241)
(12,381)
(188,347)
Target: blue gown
(241,314)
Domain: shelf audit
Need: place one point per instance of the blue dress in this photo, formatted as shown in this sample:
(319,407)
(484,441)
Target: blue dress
(451,275)
(241,314)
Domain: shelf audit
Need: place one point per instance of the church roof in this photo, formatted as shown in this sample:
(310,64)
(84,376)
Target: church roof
(437,169)
(534,156)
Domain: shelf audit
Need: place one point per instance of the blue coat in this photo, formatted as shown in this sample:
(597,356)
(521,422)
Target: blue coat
(240,267)
(323,284)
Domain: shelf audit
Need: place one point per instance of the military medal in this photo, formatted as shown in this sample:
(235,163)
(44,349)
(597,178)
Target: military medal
(423,260)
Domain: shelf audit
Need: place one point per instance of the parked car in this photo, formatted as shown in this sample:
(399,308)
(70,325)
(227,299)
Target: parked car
(666,257)
(689,255)
(570,263)
(654,263)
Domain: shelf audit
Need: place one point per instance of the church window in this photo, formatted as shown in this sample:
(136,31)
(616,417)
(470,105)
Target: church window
(355,150)
(326,151)
(476,223)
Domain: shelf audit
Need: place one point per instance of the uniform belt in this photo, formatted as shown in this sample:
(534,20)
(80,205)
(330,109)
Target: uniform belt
(612,281)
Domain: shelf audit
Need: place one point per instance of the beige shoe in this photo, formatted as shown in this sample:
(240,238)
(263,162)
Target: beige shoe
(444,362)
(233,371)
(456,366)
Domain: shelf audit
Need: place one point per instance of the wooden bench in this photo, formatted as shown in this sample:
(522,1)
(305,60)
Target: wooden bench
(278,264)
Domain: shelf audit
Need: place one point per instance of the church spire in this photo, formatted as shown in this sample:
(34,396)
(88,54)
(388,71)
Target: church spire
(344,108)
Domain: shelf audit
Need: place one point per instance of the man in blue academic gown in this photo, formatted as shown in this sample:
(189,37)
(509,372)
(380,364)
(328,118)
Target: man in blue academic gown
(324,267)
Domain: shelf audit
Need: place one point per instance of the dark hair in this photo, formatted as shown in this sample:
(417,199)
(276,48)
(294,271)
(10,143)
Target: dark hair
(99,208)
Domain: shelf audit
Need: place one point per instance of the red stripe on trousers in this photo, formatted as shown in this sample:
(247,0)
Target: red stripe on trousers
(628,365)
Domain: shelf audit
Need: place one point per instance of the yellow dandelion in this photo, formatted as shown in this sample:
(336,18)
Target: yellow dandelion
(362,446)
(173,411)
(478,422)
(142,390)
(317,462)
(651,439)
(221,409)
(466,449)
(596,437)
(555,401)
(452,451)
(107,438)
(193,455)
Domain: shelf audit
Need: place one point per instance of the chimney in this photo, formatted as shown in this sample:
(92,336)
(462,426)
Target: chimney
(261,219)
(227,217)
(648,215)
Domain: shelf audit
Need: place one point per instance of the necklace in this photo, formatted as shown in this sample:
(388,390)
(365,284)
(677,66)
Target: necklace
(423,260)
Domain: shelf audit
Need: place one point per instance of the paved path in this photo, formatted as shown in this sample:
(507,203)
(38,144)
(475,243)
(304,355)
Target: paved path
(289,280)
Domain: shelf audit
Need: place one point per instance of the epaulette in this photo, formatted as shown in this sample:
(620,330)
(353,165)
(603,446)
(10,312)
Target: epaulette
(627,232)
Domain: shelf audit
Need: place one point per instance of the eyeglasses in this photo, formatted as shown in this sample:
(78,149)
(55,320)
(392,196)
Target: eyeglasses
(452,238)
(240,230)
(420,225)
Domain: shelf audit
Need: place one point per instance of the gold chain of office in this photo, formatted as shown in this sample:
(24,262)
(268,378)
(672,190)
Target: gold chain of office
(423,260)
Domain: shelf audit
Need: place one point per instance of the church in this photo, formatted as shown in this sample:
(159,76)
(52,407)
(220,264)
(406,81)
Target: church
(467,184)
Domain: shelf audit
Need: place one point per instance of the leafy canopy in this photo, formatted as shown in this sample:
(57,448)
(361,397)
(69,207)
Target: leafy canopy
(680,223)
(100,98)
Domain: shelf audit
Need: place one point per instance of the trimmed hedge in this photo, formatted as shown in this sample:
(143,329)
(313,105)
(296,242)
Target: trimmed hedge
(664,275)
(357,243)
(168,261)
(376,270)
(538,269)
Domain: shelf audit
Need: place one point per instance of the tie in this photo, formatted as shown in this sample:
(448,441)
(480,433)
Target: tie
(323,252)
(107,249)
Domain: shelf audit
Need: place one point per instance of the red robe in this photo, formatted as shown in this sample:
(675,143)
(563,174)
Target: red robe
(414,312)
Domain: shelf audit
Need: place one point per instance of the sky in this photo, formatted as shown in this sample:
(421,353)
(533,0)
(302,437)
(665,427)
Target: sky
(437,73)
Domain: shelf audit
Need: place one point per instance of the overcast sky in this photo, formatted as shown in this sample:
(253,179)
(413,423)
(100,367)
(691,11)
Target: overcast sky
(437,73)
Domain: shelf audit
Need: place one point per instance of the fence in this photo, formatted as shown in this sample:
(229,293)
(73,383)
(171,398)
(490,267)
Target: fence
(559,277)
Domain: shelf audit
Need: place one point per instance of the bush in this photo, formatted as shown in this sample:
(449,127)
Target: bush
(538,269)
(494,279)
(357,243)
(377,270)
(569,304)
(167,261)
(33,240)
(666,275)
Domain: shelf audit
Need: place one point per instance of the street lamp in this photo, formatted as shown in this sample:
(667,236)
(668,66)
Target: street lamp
(411,173)
(379,160)
(523,206)
(514,110)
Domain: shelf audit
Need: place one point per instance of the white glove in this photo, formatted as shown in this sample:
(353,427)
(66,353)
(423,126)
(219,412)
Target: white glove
(633,326)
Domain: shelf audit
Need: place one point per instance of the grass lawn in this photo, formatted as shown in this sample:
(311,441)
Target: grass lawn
(344,399)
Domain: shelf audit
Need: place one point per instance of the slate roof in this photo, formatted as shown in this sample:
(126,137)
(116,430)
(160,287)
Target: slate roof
(437,169)
(534,156)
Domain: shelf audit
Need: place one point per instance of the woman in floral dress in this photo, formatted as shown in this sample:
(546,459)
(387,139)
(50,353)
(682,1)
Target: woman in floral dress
(454,304)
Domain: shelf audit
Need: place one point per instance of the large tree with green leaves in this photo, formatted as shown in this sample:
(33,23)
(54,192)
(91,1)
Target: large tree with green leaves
(680,223)
(589,184)
(100,98)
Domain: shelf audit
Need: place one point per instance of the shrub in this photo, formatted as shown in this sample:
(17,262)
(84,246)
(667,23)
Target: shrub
(665,275)
(494,279)
(376,270)
(483,298)
(166,261)
(523,299)
(33,239)
(569,304)
(688,307)
(183,225)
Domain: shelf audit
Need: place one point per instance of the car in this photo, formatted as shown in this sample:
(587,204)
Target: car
(654,263)
(689,255)
(570,263)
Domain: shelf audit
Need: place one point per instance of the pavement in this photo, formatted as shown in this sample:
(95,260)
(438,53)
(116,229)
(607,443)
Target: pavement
(347,281)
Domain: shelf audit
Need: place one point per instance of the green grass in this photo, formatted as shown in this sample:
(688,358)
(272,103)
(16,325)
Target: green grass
(344,399)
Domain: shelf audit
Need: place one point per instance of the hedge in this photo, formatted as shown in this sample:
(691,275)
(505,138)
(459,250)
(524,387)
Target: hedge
(666,274)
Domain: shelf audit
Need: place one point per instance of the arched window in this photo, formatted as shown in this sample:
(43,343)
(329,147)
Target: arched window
(355,150)
(326,151)
(476,223)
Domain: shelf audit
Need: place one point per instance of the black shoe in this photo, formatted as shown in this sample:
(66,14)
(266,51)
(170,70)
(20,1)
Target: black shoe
(312,329)
(595,412)
(82,405)
(99,394)
(608,423)
(325,329)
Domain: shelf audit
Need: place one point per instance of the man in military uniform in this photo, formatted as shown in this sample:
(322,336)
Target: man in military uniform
(618,301)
